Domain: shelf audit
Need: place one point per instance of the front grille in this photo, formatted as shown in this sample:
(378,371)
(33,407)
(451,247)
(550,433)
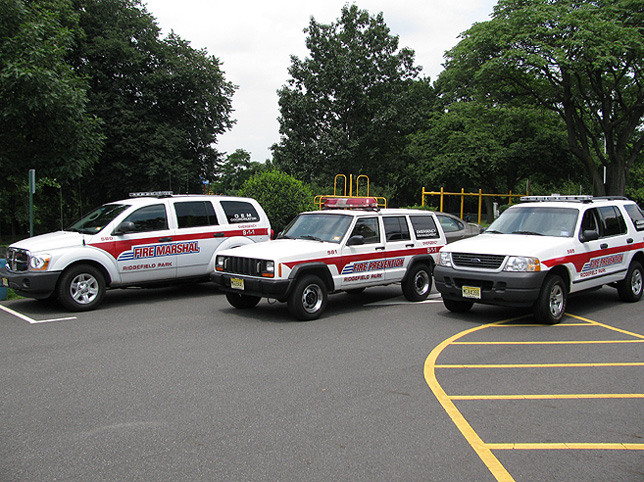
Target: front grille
(483,261)
(247,266)
(17,259)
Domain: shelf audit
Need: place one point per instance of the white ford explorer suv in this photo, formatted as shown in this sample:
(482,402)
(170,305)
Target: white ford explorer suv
(144,240)
(538,252)
(332,250)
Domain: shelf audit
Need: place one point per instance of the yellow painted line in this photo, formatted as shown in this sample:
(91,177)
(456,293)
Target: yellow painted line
(608,327)
(568,396)
(482,450)
(547,365)
(565,446)
(585,342)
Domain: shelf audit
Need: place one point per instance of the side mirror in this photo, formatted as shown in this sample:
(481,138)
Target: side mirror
(356,240)
(124,228)
(588,235)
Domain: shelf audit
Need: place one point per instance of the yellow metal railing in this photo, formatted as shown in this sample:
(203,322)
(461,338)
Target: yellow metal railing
(464,194)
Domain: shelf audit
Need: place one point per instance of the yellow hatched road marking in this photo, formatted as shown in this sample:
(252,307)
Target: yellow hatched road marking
(484,450)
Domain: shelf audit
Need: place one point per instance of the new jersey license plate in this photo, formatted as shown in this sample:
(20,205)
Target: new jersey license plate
(237,283)
(473,292)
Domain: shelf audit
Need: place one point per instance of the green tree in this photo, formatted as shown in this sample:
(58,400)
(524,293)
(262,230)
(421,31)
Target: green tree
(45,122)
(582,59)
(236,169)
(348,107)
(162,103)
(281,195)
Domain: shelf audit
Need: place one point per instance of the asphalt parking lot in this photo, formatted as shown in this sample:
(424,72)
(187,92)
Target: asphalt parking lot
(173,384)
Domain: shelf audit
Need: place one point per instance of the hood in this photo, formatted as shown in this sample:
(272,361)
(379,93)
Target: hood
(50,241)
(508,244)
(282,249)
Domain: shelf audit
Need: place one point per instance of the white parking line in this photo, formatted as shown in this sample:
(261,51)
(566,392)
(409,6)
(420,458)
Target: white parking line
(31,320)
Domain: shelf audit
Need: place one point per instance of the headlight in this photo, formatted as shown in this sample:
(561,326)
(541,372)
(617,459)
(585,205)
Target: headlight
(219,263)
(39,262)
(445,259)
(267,269)
(522,263)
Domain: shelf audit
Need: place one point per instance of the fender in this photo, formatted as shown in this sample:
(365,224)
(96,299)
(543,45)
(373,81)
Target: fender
(420,258)
(68,256)
(316,267)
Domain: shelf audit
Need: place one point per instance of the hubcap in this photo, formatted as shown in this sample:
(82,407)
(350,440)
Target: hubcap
(556,301)
(636,282)
(84,289)
(421,282)
(312,298)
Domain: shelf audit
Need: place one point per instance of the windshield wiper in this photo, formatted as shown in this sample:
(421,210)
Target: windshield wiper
(285,236)
(527,232)
(487,231)
(313,238)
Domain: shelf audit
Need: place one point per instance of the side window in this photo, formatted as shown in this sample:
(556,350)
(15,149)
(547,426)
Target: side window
(589,221)
(240,212)
(613,222)
(449,225)
(424,227)
(636,215)
(368,229)
(150,218)
(195,213)
(396,228)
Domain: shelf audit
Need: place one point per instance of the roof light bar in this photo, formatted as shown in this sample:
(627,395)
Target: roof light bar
(151,194)
(555,197)
(351,203)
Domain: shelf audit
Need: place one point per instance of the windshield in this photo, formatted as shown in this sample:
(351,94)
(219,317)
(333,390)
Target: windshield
(97,219)
(537,220)
(318,227)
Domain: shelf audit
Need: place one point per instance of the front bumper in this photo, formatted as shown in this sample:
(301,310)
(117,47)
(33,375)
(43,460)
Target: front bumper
(503,289)
(30,284)
(262,287)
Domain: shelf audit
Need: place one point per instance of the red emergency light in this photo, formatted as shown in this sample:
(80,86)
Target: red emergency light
(351,203)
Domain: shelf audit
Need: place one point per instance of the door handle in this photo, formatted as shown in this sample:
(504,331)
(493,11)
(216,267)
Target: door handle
(218,235)
(603,245)
(409,246)
(165,240)
(380,248)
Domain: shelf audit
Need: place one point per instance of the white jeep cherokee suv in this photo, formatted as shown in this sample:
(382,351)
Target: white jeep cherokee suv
(332,250)
(144,240)
(538,252)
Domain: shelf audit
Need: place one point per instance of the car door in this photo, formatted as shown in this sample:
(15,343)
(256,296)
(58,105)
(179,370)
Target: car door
(605,258)
(363,262)
(146,250)
(398,246)
(198,235)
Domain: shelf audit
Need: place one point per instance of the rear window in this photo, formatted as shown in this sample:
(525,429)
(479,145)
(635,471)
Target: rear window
(424,227)
(240,212)
(195,213)
(636,215)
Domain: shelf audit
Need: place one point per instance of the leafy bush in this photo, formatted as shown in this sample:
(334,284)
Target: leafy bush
(281,195)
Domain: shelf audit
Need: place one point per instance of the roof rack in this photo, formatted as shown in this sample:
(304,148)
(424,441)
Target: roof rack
(557,197)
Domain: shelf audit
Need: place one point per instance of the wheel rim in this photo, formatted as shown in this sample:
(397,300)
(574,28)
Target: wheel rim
(421,282)
(84,289)
(556,301)
(312,298)
(636,282)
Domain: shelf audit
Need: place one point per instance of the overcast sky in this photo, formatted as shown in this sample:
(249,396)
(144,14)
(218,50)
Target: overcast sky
(254,39)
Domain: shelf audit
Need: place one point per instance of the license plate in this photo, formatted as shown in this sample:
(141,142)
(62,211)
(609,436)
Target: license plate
(237,283)
(471,292)
(5,282)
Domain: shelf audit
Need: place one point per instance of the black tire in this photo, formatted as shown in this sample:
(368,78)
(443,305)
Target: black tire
(242,302)
(81,288)
(630,289)
(308,299)
(418,283)
(551,304)
(458,306)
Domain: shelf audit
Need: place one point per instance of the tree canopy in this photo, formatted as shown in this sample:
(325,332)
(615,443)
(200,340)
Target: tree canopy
(348,106)
(582,59)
